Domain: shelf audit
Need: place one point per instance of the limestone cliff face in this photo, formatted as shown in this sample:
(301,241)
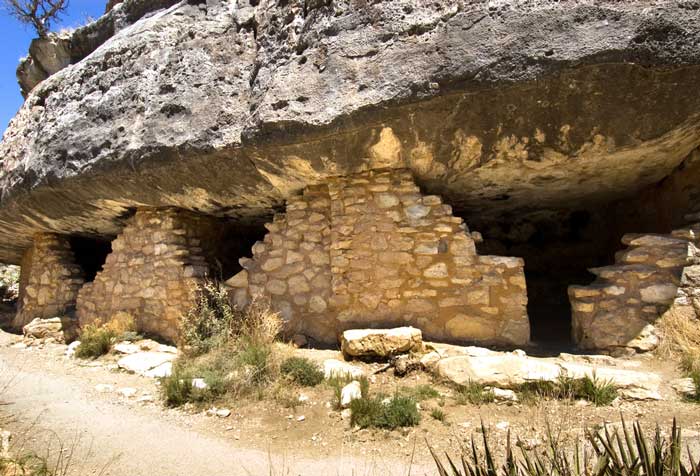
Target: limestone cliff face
(229,108)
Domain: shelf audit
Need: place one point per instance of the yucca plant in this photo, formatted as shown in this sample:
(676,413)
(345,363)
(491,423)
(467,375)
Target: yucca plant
(613,453)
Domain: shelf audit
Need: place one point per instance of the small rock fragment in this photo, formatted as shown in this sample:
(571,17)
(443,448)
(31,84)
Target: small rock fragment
(350,392)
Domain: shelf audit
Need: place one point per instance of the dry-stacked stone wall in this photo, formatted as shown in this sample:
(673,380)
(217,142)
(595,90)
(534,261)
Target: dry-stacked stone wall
(152,273)
(370,251)
(49,279)
(619,308)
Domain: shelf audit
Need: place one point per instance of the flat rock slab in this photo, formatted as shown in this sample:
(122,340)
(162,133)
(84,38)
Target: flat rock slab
(143,363)
(512,369)
(381,343)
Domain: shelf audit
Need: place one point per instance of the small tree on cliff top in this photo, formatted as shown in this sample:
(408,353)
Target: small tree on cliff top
(37,13)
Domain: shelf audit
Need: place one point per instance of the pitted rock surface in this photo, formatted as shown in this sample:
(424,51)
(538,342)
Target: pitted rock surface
(228,108)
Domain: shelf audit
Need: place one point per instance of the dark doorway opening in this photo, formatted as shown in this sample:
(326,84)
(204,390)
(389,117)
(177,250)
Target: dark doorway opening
(90,254)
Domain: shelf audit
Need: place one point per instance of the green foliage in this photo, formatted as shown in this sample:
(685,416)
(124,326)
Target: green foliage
(420,392)
(474,393)
(337,382)
(230,349)
(438,414)
(177,389)
(213,323)
(255,359)
(695,376)
(94,342)
(378,412)
(302,371)
(617,453)
(599,392)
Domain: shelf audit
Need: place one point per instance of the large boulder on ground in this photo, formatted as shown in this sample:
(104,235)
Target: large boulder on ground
(148,364)
(61,329)
(510,370)
(381,343)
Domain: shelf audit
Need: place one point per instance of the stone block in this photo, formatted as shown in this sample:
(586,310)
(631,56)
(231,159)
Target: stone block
(381,343)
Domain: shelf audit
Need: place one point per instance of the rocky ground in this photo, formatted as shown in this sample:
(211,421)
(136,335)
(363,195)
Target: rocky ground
(113,423)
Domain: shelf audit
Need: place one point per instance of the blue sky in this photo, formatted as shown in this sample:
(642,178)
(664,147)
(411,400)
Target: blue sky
(15,44)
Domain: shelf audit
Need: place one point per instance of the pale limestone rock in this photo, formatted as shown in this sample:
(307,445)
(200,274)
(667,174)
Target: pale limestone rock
(161,371)
(199,383)
(240,280)
(504,395)
(72,347)
(126,348)
(45,328)
(647,340)
(684,386)
(430,360)
(662,293)
(333,368)
(127,392)
(143,362)
(509,370)
(350,392)
(381,342)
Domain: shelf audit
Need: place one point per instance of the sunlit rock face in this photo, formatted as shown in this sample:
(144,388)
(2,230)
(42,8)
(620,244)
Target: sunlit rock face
(226,108)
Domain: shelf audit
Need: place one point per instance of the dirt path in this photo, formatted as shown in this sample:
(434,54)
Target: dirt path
(133,439)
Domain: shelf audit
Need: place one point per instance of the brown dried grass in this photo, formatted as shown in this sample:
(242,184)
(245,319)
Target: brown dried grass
(680,330)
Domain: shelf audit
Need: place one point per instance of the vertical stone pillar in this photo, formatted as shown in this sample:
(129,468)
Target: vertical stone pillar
(152,273)
(385,255)
(49,279)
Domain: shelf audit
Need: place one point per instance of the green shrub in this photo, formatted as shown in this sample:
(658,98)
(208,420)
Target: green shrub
(474,393)
(177,389)
(599,392)
(438,414)
(373,412)
(255,358)
(614,453)
(695,376)
(302,371)
(94,342)
(420,392)
(212,322)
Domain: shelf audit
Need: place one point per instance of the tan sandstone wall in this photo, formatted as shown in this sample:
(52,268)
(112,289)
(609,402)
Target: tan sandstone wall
(619,309)
(151,274)
(49,279)
(370,251)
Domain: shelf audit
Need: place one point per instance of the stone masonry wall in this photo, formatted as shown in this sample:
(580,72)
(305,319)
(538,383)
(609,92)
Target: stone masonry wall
(49,279)
(619,308)
(151,274)
(370,251)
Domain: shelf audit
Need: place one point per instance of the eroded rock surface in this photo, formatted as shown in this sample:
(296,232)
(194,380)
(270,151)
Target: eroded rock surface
(228,108)
(513,369)
(381,343)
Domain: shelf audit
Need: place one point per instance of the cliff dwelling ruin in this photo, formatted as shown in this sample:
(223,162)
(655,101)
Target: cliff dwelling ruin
(544,192)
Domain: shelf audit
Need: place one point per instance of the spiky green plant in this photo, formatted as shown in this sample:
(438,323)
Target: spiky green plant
(611,453)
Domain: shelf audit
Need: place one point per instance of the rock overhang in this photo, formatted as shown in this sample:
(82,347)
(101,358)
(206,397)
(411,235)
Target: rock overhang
(229,111)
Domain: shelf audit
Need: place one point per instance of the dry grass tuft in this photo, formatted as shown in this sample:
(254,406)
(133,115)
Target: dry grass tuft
(681,335)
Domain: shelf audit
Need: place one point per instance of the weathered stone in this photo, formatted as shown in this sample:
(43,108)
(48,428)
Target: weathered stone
(510,370)
(438,270)
(381,343)
(144,362)
(350,392)
(58,328)
(661,293)
(338,369)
